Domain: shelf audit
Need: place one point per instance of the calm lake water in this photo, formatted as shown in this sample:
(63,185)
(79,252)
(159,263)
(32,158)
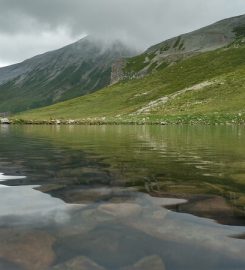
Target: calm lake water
(122,197)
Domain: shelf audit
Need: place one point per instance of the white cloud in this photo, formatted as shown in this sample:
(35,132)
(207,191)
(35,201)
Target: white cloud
(4,64)
(18,47)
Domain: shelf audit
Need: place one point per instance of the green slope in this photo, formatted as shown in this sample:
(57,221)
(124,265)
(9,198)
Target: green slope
(206,84)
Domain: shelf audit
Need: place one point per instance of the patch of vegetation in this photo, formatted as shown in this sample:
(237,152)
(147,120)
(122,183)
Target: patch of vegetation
(165,48)
(151,55)
(177,43)
(181,46)
(152,67)
(135,64)
(162,65)
(239,31)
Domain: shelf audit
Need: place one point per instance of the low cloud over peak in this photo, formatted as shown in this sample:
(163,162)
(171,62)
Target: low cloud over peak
(28,27)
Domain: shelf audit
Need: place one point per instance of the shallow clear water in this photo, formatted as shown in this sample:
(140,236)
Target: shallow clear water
(122,197)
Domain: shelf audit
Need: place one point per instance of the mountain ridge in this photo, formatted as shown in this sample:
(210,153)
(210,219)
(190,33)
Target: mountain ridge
(214,36)
(214,27)
(76,69)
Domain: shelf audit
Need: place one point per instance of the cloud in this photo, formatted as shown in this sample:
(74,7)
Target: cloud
(37,25)
(20,46)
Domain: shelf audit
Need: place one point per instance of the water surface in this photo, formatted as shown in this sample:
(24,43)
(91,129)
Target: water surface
(122,197)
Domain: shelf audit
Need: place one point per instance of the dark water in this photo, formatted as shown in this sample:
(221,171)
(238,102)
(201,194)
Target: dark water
(123,197)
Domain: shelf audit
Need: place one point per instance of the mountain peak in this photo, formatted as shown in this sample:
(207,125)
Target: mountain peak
(74,70)
(211,37)
(218,35)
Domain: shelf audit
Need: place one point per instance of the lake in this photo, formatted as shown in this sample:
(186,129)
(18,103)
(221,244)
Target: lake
(122,197)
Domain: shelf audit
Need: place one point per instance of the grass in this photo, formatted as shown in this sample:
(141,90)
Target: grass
(240,31)
(136,64)
(223,100)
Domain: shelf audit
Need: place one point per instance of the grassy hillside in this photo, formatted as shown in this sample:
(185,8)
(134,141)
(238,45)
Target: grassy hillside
(211,83)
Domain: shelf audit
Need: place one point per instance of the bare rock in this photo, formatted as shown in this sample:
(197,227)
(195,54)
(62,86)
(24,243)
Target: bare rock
(117,72)
(5,121)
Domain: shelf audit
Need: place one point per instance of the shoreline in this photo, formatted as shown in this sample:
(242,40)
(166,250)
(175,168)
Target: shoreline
(192,120)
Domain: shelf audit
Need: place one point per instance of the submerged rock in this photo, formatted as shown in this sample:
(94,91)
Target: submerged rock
(121,209)
(10,266)
(31,250)
(212,207)
(81,262)
(148,263)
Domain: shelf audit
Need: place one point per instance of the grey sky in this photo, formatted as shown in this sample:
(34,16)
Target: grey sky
(29,27)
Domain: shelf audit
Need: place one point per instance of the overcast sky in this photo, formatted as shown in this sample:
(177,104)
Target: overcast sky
(30,27)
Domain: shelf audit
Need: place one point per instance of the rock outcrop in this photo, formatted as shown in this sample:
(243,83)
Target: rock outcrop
(5,121)
(117,72)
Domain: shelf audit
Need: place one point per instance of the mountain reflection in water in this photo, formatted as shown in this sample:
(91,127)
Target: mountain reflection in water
(87,199)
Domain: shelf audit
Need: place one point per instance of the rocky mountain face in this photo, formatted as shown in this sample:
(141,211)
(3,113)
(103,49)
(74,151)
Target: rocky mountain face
(77,69)
(221,34)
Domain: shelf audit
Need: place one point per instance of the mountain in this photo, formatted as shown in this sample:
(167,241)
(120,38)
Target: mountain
(77,69)
(208,83)
(212,37)
(211,83)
